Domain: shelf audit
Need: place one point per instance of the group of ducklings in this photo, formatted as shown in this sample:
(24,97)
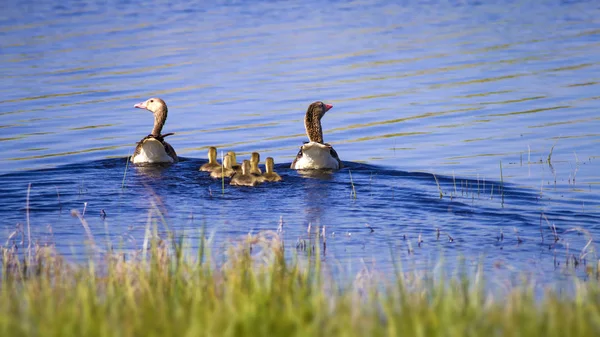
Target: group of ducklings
(246,174)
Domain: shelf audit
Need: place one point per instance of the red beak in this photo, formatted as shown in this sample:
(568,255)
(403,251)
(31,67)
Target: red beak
(327,107)
(141,105)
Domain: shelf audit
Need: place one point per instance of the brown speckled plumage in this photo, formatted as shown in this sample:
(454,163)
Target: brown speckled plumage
(312,121)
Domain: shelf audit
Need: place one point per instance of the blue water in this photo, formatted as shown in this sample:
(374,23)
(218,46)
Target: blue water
(454,89)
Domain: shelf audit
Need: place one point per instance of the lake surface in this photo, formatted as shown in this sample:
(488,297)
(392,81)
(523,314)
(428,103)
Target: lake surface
(499,100)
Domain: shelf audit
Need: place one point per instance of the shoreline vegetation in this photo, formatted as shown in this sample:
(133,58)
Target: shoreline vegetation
(166,289)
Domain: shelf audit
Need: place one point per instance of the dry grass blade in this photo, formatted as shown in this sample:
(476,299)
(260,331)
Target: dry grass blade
(438,186)
(353,193)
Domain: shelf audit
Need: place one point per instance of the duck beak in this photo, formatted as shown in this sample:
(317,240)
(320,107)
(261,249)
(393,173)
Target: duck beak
(327,107)
(141,105)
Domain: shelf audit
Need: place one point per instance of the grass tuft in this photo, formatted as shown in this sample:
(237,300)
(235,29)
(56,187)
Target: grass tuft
(167,289)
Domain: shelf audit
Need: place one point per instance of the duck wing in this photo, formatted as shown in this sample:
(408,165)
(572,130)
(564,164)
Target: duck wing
(335,155)
(170,151)
(298,156)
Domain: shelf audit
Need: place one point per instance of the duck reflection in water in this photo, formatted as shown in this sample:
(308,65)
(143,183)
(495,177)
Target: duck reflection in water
(317,174)
(155,171)
(316,199)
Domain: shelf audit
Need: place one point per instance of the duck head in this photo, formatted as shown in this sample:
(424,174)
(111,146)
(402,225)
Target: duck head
(312,120)
(158,107)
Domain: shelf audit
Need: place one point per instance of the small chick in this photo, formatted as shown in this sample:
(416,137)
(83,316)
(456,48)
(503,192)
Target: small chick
(245,178)
(254,160)
(225,170)
(212,161)
(234,164)
(269,174)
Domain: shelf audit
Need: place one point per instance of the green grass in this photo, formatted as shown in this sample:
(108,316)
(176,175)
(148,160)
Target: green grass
(255,291)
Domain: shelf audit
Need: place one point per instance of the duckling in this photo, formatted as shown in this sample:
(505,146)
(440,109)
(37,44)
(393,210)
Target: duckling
(225,171)
(315,154)
(245,178)
(234,164)
(254,160)
(153,148)
(212,161)
(269,174)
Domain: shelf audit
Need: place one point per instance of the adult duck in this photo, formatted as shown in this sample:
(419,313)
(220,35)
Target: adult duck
(315,154)
(153,148)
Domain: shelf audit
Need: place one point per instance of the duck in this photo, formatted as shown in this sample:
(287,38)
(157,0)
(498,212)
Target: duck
(269,174)
(315,154)
(212,161)
(225,170)
(153,148)
(245,178)
(234,164)
(254,160)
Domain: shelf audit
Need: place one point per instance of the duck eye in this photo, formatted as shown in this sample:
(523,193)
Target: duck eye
(151,101)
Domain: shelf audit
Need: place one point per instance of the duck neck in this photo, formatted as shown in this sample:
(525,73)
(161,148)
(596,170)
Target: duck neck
(268,169)
(313,127)
(160,117)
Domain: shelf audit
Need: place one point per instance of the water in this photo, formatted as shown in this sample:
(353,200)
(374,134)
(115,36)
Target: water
(451,88)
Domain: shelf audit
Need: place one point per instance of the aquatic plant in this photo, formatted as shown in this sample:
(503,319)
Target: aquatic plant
(353,192)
